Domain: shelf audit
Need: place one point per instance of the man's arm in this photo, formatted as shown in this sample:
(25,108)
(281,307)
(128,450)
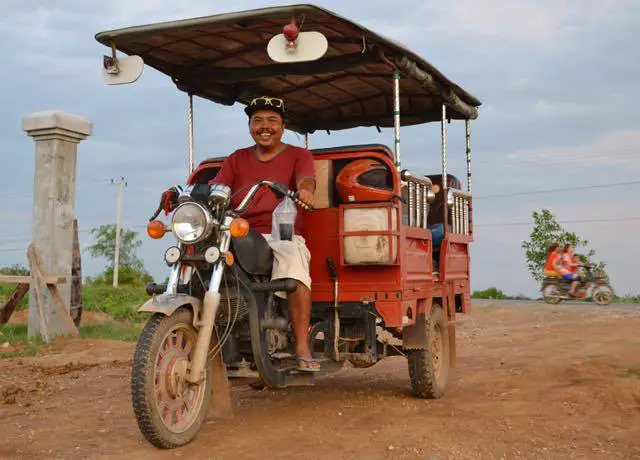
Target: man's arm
(306,177)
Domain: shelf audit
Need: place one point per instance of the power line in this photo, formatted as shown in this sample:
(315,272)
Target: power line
(578,221)
(533,158)
(553,190)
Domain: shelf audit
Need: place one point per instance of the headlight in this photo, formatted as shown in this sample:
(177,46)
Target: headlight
(191,223)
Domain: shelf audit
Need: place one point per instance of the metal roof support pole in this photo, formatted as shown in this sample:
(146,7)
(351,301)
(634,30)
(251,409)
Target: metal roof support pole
(396,117)
(306,140)
(445,188)
(469,207)
(190,116)
(467,129)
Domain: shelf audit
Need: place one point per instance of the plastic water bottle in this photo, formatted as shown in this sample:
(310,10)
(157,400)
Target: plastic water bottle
(283,220)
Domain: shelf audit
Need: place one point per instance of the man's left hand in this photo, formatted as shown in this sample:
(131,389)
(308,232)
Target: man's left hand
(306,197)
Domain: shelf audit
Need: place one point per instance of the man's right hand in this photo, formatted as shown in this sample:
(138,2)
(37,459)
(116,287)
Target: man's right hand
(306,197)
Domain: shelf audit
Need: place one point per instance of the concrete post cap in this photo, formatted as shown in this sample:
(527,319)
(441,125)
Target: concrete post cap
(53,119)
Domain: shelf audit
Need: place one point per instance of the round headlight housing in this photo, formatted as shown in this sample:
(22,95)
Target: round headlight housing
(191,223)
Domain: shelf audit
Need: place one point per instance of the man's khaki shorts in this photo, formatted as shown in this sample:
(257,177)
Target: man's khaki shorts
(290,260)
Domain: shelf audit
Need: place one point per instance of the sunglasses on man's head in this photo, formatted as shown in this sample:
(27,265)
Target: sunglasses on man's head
(272,101)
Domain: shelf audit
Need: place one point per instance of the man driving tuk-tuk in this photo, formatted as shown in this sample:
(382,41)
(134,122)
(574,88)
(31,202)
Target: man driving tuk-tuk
(287,164)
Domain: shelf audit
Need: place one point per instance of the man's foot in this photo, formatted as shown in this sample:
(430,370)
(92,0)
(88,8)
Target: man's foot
(308,365)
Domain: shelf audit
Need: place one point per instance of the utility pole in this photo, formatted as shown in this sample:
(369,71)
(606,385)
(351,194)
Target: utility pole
(116,260)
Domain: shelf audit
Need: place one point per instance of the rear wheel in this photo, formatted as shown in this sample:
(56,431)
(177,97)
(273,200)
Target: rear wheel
(551,294)
(169,410)
(268,345)
(429,369)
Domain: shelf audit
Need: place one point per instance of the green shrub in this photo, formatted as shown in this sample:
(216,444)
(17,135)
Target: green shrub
(126,276)
(120,303)
(491,293)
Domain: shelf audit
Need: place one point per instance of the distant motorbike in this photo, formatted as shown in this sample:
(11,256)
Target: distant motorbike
(593,286)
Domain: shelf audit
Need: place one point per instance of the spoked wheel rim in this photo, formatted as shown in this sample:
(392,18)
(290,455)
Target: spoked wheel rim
(436,347)
(551,294)
(603,297)
(178,401)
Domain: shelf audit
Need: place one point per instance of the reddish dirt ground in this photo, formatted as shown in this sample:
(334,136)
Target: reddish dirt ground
(532,382)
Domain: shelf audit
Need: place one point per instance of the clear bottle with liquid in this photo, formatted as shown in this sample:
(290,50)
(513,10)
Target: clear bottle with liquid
(284,220)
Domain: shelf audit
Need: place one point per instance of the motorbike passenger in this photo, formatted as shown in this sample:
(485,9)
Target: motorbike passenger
(436,213)
(269,158)
(552,265)
(569,268)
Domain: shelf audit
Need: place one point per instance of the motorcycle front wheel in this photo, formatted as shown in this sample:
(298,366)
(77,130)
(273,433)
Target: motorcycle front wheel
(169,410)
(603,295)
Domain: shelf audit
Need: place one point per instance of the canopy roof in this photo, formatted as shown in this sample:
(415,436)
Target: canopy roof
(224,58)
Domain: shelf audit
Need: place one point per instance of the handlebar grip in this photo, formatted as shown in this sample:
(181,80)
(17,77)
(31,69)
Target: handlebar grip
(294,196)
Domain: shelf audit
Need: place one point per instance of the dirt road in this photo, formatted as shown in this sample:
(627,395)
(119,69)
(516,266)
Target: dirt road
(545,382)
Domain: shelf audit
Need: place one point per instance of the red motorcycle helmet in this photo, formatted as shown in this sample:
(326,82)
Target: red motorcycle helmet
(364,180)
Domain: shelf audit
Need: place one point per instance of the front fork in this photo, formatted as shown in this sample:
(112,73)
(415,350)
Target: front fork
(210,305)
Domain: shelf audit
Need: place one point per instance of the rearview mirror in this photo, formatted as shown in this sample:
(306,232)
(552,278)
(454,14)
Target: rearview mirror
(121,71)
(309,46)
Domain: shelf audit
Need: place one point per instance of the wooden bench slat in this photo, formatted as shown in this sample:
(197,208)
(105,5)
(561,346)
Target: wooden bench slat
(11,279)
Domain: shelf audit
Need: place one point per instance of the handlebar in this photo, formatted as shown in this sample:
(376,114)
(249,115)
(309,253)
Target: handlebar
(279,189)
(166,199)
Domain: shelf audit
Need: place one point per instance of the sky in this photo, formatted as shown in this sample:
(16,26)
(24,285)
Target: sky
(559,81)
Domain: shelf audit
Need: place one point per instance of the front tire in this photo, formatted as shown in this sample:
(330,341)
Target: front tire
(603,295)
(169,410)
(429,369)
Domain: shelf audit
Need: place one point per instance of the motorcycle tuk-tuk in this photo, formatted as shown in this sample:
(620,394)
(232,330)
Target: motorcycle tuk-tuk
(390,271)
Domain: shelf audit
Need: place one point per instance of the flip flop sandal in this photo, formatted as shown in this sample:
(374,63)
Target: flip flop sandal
(307,362)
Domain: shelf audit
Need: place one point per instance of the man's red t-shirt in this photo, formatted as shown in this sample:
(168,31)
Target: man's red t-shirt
(242,169)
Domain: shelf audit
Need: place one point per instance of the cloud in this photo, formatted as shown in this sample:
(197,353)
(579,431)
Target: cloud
(614,148)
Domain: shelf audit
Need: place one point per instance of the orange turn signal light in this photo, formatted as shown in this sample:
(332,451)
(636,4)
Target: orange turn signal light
(229,259)
(156,229)
(239,227)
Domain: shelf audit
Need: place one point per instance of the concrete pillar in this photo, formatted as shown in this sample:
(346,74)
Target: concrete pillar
(57,135)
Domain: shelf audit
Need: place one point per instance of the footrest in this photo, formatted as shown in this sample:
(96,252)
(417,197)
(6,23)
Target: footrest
(288,285)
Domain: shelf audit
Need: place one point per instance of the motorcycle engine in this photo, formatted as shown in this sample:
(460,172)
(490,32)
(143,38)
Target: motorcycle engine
(232,307)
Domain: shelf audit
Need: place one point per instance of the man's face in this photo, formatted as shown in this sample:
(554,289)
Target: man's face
(266,128)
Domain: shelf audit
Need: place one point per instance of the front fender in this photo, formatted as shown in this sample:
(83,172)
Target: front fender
(168,303)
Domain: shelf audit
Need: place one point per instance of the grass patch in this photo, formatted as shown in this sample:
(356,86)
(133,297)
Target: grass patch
(16,334)
(120,303)
(30,349)
(5,292)
(21,346)
(13,333)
